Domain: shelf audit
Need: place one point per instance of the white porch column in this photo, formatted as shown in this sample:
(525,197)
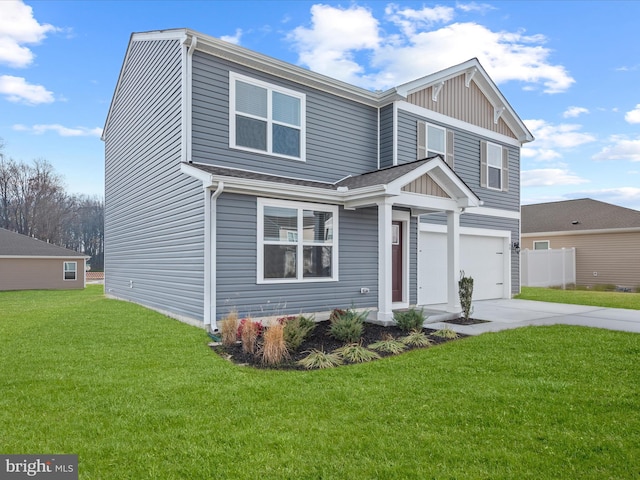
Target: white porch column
(385,216)
(453,260)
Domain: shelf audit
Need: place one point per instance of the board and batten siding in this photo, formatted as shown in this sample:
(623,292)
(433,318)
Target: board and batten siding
(154,214)
(237,265)
(466,160)
(615,257)
(464,103)
(341,134)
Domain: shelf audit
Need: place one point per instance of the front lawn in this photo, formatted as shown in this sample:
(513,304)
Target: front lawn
(582,297)
(139,396)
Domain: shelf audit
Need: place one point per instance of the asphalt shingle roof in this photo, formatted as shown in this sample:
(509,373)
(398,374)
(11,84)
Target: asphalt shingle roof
(576,215)
(15,244)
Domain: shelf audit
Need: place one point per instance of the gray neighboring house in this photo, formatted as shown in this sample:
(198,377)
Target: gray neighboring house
(235,180)
(606,238)
(30,264)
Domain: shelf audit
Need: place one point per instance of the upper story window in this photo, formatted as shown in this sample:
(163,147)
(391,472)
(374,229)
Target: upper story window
(435,140)
(494,166)
(70,270)
(297,241)
(266,118)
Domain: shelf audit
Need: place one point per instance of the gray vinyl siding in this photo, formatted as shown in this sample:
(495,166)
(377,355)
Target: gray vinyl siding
(386,136)
(154,214)
(492,223)
(237,264)
(466,160)
(341,134)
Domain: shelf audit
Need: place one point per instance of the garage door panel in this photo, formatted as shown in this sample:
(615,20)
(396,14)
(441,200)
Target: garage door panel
(481,257)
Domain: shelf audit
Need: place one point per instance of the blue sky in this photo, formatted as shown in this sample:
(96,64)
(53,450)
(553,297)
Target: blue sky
(571,70)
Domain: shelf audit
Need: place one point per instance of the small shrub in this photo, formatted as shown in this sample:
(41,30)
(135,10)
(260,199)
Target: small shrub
(445,332)
(249,332)
(389,345)
(356,353)
(297,330)
(416,338)
(229,328)
(408,320)
(274,349)
(320,359)
(347,326)
(465,291)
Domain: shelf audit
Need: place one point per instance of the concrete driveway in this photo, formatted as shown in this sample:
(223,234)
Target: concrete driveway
(505,314)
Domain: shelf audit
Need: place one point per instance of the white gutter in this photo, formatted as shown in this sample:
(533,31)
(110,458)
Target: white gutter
(210,257)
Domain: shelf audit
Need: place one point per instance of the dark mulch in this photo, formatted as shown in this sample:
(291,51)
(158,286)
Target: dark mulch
(464,321)
(321,340)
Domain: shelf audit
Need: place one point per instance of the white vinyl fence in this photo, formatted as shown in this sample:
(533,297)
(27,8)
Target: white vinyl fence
(548,268)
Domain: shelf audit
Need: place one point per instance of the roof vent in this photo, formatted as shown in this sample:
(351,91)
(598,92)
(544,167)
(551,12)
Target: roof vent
(575,222)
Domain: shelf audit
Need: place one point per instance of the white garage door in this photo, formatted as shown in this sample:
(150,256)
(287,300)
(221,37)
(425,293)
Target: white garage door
(481,257)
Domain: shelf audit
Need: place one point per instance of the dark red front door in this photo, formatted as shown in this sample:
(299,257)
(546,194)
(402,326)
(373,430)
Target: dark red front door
(396,262)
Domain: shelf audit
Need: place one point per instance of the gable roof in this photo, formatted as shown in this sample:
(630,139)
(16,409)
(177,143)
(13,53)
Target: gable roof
(243,56)
(14,244)
(579,215)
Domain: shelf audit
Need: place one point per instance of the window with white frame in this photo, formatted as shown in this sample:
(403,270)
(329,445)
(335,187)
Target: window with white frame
(436,140)
(70,270)
(541,245)
(266,118)
(494,166)
(296,241)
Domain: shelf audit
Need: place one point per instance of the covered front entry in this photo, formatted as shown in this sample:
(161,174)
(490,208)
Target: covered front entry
(484,256)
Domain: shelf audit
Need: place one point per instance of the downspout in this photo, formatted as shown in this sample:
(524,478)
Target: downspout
(210,256)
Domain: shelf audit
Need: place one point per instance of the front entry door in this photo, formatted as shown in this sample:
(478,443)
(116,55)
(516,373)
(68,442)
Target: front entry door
(396,262)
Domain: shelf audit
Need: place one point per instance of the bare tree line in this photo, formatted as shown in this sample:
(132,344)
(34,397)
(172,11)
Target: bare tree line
(33,202)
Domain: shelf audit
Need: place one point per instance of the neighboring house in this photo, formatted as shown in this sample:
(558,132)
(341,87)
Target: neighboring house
(234,180)
(606,238)
(30,264)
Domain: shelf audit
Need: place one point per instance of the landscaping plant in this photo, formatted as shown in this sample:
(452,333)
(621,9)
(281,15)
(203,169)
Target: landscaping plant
(274,349)
(249,331)
(408,320)
(347,325)
(445,332)
(416,338)
(229,328)
(356,353)
(465,291)
(296,330)
(389,345)
(320,359)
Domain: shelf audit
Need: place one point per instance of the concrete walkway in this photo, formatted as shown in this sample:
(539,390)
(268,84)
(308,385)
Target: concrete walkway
(505,314)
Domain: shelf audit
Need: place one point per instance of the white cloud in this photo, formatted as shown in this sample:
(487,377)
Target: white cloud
(573,112)
(337,35)
(633,116)
(16,89)
(549,177)
(551,140)
(60,130)
(19,28)
(621,148)
(235,38)
(474,7)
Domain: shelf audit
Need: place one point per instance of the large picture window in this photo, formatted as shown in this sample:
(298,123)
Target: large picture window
(296,241)
(266,118)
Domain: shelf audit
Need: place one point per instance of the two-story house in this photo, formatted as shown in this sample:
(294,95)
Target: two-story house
(235,180)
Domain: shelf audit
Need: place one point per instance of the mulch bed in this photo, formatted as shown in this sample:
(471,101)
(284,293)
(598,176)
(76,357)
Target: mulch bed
(321,340)
(463,321)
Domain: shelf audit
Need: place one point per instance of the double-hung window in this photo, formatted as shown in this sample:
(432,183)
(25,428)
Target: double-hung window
(435,140)
(266,118)
(296,241)
(494,166)
(70,270)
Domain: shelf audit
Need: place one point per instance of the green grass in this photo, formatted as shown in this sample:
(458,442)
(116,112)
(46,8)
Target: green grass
(139,396)
(582,297)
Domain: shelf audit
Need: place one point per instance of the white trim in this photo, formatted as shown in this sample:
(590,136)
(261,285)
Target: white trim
(548,242)
(581,232)
(444,139)
(405,219)
(271,88)
(394,154)
(46,257)
(75,270)
(385,300)
(455,123)
(300,243)
(489,165)
(494,212)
